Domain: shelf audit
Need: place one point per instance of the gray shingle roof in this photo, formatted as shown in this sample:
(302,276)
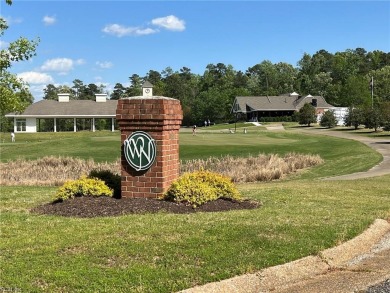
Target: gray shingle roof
(321,103)
(73,108)
(276,103)
(147,84)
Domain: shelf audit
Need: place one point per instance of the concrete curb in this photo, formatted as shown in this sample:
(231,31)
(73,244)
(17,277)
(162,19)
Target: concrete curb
(340,255)
(281,276)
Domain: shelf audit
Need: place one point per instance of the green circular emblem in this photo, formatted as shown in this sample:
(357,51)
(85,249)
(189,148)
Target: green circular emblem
(140,150)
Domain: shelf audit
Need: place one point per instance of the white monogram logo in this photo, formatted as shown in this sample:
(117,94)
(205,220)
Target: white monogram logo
(140,150)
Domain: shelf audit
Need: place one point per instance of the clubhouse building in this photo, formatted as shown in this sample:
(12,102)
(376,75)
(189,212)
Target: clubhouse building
(255,107)
(67,115)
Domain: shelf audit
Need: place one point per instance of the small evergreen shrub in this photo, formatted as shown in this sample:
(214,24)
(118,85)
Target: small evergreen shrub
(83,187)
(386,127)
(328,119)
(276,119)
(199,187)
(112,180)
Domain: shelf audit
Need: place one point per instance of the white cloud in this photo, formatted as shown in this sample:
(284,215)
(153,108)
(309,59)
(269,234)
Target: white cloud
(107,86)
(49,20)
(58,64)
(145,31)
(38,91)
(3,44)
(120,30)
(80,62)
(170,22)
(35,77)
(12,20)
(61,65)
(104,65)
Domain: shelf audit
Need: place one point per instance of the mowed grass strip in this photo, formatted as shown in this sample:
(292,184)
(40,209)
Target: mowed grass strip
(102,146)
(341,156)
(166,252)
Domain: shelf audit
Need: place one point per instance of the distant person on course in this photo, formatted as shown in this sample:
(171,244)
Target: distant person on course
(194,130)
(12,137)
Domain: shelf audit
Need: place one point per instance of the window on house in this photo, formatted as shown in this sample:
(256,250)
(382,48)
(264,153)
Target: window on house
(314,102)
(20,124)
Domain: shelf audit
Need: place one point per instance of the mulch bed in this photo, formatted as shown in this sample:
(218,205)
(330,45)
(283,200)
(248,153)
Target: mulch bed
(88,207)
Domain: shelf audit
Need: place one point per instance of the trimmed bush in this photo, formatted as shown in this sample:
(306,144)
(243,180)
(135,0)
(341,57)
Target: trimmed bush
(328,119)
(112,180)
(83,187)
(277,119)
(199,187)
(386,127)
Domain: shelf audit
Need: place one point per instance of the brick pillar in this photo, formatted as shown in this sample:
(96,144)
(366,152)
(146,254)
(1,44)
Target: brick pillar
(160,117)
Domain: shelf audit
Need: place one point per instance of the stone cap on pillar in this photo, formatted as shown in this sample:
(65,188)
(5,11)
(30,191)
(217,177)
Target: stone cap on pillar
(148,112)
(154,97)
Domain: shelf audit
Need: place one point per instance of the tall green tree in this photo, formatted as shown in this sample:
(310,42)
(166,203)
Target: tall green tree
(78,89)
(381,83)
(218,75)
(355,91)
(373,118)
(89,92)
(135,86)
(118,92)
(184,86)
(385,112)
(355,117)
(321,84)
(51,92)
(155,78)
(64,89)
(263,79)
(14,92)
(286,76)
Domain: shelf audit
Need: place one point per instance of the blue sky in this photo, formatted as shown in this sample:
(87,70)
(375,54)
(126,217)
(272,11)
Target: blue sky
(105,42)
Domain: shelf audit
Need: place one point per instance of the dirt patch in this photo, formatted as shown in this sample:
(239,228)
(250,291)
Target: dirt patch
(88,207)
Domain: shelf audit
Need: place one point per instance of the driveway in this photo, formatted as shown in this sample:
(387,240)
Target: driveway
(380,144)
(353,266)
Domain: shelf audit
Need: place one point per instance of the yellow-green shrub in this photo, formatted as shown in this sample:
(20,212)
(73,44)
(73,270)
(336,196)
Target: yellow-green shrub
(83,187)
(199,187)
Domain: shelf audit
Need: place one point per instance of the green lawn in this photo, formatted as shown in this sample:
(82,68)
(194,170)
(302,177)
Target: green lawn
(341,156)
(166,252)
(100,145)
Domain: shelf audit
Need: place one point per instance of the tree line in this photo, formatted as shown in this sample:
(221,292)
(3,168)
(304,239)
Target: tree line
(343,79)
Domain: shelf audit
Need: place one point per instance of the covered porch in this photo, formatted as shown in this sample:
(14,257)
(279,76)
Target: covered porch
(61,124)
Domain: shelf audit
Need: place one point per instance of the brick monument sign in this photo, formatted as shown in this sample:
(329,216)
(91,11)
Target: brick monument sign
(149,128)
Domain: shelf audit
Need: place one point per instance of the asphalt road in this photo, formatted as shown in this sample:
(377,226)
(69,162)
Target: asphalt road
(381,145)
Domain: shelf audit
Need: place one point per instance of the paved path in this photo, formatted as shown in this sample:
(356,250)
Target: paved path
(381,145)
(354,266)
(274,127)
